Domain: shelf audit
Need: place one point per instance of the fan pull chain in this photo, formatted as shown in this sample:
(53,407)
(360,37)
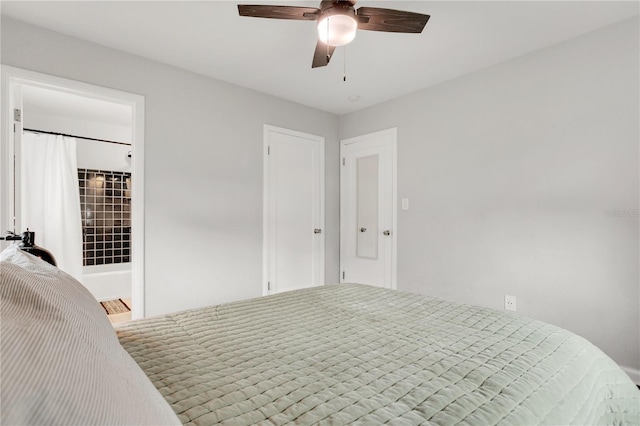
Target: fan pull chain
(328,38)
(344,70)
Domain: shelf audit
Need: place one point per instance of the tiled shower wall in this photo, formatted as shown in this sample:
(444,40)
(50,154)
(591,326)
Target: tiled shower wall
(105,203)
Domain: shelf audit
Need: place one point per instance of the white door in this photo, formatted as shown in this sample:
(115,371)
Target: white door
(368,209)
(293,210)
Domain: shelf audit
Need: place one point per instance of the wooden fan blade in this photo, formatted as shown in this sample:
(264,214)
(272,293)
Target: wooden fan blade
(322,55)
(390,20)
(279,12)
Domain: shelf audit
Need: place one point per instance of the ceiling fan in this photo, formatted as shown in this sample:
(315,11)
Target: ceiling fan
(338,21)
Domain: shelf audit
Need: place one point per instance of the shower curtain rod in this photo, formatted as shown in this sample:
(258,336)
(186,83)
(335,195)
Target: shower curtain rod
(74,136)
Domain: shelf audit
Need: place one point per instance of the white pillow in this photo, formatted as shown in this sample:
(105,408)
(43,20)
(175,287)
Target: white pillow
(61,360)
(23,259)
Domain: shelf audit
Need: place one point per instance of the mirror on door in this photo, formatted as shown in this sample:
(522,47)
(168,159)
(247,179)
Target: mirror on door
(367,207)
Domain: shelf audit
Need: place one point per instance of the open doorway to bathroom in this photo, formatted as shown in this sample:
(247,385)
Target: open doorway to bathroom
(102,132)
(98,136)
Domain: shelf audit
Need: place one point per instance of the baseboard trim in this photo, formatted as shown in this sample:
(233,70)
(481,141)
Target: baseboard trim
(633,374)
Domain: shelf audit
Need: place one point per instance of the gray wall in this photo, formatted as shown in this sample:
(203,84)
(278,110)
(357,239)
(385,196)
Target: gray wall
(203,166)
(511,171)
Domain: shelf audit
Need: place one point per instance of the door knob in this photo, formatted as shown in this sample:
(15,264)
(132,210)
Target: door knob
(317,231)
(387,232)
(363,229)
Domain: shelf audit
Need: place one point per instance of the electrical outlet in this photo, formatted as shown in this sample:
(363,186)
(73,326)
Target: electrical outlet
(509,302)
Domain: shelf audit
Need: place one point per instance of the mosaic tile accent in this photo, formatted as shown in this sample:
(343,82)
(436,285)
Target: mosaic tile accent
(105,205)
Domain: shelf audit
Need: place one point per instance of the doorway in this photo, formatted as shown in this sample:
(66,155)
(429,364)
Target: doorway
(37,107)
(368,202)
(293,240)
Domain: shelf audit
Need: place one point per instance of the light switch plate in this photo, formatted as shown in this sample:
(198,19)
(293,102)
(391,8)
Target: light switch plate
(405,204)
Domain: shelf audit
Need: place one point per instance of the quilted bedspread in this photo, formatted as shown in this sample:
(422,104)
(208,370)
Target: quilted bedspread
(355,354)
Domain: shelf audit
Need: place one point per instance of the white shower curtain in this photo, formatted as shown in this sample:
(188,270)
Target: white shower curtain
(50,197)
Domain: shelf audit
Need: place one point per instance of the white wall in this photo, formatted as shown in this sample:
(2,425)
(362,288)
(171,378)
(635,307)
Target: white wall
(103,156)
(91,154)
(203,166)
(511,171)
(38,119)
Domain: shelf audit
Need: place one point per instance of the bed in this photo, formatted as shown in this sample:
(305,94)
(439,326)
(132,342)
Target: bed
(338,354)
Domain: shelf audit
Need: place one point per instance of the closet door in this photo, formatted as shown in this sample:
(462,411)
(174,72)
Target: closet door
(368,209)
(293,210)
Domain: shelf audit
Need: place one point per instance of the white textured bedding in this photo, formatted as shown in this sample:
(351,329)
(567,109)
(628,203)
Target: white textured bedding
(354,354)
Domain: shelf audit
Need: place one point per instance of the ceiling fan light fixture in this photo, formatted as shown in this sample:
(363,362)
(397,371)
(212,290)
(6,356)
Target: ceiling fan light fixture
(337,22)
(337,29)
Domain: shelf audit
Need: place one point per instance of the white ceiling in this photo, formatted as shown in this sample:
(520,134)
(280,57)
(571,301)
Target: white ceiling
(274,56)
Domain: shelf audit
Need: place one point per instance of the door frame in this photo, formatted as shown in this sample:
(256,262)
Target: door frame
(265,200)
(392,133)
(12,80)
